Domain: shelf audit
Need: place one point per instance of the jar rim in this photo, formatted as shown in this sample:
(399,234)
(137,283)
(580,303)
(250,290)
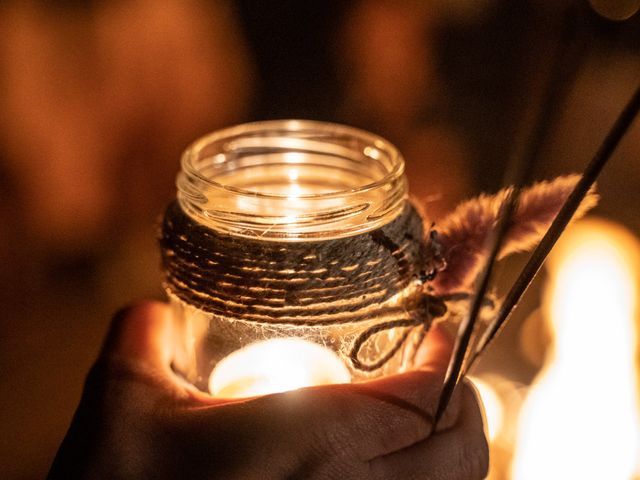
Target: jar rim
(351,181)
(190,155)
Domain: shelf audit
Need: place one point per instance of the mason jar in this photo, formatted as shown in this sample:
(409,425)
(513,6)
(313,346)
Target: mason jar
(292,257)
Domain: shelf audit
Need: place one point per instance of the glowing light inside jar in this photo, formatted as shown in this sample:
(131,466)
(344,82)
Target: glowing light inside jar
(276,365)
(282,182)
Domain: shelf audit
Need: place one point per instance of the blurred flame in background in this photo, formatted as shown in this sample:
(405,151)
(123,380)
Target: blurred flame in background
(502,399)
(580,419)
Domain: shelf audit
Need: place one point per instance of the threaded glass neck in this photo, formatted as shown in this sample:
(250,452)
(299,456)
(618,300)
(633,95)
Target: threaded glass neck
(292,180)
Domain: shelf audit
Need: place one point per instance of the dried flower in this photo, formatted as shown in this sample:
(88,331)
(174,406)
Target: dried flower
(463,234)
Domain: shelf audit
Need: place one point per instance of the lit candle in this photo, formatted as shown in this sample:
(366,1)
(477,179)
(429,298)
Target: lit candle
(268,256)
(276,365)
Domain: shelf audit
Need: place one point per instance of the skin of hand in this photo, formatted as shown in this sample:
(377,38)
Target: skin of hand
(138,419)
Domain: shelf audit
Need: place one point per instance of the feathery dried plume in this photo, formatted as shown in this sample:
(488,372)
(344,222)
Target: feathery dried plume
(463,233)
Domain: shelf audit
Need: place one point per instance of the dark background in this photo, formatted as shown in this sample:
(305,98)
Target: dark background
(98,100)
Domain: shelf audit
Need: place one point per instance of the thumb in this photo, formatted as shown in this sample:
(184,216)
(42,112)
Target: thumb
(141,334)
(143,343)
(132,372)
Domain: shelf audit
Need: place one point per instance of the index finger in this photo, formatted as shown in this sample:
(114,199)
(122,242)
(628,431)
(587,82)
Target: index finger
(377,417)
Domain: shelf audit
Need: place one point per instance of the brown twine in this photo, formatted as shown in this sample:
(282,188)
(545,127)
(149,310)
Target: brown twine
(310,283)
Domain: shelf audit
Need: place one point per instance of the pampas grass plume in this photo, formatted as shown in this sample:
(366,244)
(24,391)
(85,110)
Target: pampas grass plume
(463,234)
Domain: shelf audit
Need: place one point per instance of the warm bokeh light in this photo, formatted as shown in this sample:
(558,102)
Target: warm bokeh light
(580,419)
(493,407)
(276,365)
(616,9)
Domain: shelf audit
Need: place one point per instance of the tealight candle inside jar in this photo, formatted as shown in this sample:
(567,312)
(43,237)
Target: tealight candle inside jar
(276,365)
(289,255)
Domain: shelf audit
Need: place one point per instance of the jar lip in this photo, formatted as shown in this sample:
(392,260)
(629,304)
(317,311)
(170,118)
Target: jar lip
(292,125)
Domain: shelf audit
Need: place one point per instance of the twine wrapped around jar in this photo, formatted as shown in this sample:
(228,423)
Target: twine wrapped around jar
(374,275)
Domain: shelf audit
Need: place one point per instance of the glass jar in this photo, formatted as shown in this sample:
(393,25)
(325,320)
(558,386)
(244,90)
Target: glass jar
(292,257)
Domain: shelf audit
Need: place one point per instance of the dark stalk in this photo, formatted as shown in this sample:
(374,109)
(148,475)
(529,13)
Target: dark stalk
(564,67)
(591,173)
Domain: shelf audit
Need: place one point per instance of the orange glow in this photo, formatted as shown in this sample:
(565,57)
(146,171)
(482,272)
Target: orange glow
(276,365)
(580,419)
(493,406)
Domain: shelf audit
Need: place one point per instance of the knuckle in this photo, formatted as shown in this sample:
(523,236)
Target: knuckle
(327,418)
(330,455)
(341,443)
(399,431)
(475,459)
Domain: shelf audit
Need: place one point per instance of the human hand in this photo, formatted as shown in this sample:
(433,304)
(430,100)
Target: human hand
(138,419)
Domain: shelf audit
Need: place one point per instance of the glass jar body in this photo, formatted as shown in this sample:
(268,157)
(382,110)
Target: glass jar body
(293,230)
